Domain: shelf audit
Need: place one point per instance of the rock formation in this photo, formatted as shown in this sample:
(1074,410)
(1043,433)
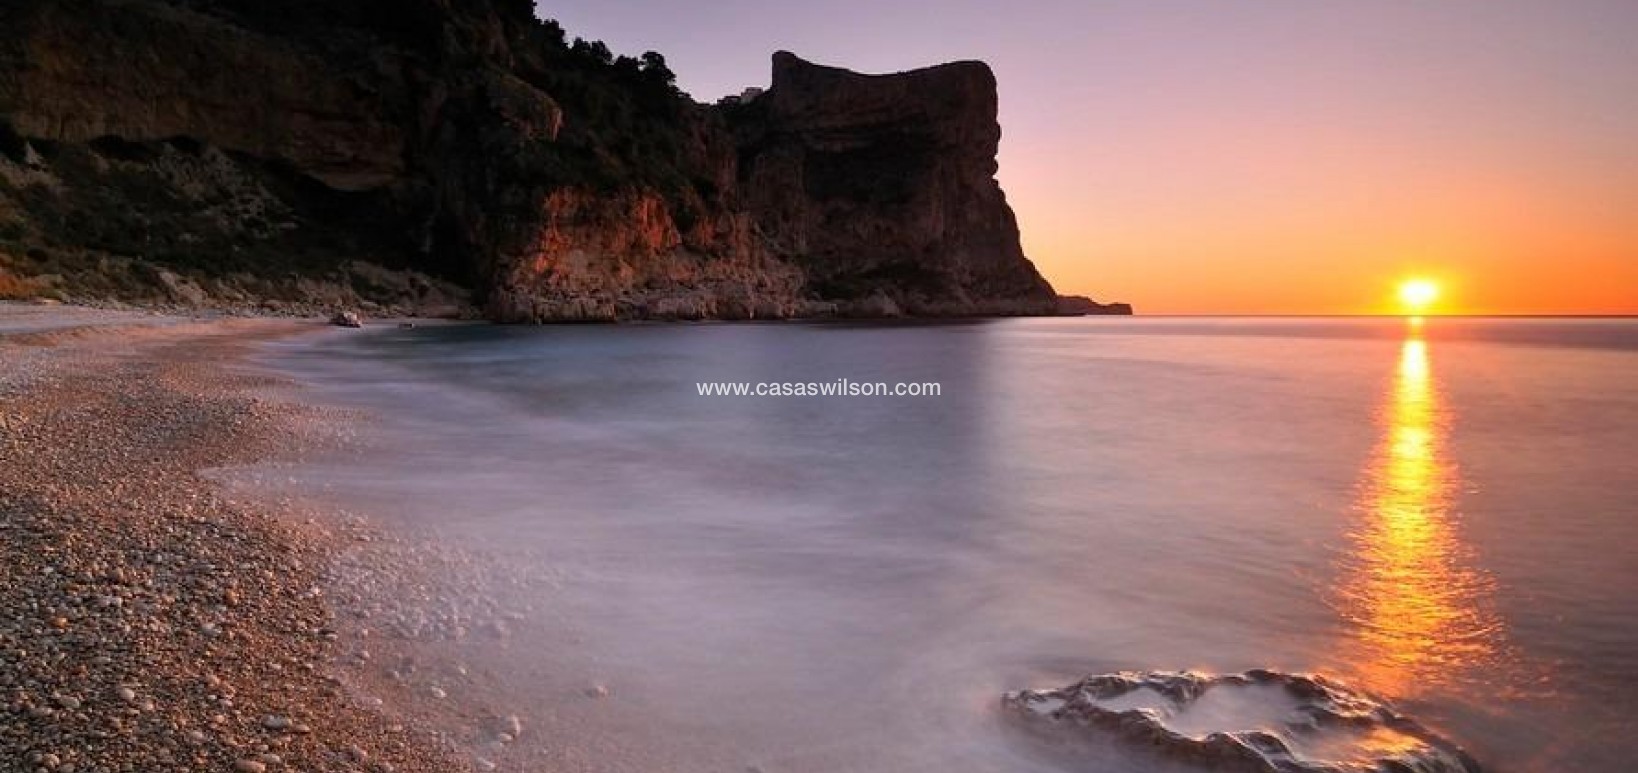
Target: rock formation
(1081,306)
(885,186)
(1260,722)
(253,150)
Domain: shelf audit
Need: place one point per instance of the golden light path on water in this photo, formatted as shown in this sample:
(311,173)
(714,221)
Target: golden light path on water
(1416,608)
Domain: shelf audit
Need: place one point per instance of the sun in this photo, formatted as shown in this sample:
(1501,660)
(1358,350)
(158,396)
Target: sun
(1418,294)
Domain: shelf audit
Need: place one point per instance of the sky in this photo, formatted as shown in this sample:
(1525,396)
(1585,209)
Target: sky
(1256,156)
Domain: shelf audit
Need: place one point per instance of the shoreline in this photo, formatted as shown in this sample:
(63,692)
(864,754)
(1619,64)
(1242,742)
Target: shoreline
(150,618)
(42,305)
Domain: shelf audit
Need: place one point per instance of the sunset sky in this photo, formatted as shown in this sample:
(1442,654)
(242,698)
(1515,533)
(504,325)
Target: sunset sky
(1257,156)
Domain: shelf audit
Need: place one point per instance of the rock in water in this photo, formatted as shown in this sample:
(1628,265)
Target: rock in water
(347,319)
(1082,306)
(1260,721)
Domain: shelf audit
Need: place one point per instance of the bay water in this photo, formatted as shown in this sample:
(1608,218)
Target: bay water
(1443,513)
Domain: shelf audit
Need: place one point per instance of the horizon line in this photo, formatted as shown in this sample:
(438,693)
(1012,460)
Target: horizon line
(1345,315)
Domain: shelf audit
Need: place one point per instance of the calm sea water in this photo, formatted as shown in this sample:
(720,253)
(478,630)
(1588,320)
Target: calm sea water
(1445,515)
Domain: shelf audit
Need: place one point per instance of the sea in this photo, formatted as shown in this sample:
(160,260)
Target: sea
(1441,513)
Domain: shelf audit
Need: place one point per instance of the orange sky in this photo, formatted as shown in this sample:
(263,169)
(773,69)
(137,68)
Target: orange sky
(1257,156)
(1304,160)
(1240,207)
(1332,231)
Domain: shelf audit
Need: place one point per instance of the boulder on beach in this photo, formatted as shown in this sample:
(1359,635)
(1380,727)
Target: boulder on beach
(1262,721)
(347,319)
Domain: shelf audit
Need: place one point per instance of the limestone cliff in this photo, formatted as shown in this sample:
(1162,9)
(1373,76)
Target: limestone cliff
(387,151)
(885,186)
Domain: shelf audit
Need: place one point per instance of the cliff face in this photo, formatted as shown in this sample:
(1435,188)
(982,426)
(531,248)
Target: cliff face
(247,150)
(80,71)
(885,186)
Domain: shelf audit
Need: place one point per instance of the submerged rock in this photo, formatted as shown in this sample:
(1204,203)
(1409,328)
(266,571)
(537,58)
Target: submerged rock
(1260,721)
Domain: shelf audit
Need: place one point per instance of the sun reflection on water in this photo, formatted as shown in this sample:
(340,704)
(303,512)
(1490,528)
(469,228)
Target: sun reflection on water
(1416,608)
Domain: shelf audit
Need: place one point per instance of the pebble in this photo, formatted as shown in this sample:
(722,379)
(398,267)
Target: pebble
(597,691)
(125,582)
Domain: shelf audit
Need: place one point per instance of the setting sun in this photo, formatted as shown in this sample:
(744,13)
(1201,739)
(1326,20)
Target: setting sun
(1418,294)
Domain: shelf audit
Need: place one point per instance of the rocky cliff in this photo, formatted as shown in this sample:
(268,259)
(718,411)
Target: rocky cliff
(401,152)
(884,187)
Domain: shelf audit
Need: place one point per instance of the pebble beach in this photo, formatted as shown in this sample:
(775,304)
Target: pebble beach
(149,619)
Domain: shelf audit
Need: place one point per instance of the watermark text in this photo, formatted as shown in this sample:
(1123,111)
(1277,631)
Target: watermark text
(841,387)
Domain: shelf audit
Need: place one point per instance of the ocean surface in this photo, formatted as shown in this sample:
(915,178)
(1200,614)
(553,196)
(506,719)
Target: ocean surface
(1442,514)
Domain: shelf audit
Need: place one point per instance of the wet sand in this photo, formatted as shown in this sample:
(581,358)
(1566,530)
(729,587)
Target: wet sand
(149,618)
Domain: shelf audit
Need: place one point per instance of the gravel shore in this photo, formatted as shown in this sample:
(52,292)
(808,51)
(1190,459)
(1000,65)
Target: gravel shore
(149,620)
